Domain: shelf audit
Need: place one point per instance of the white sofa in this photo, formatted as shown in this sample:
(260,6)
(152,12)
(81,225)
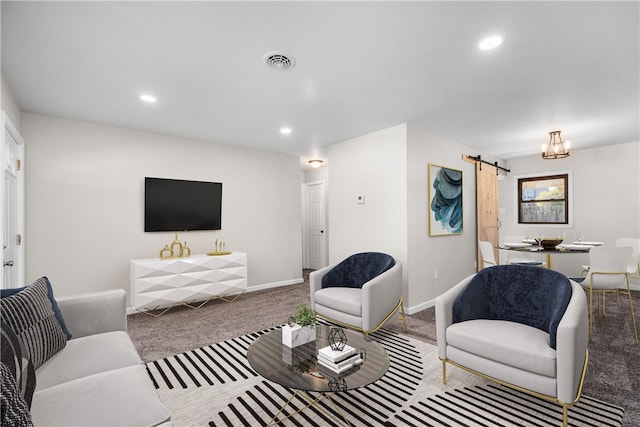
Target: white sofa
(97,379)
(548,360)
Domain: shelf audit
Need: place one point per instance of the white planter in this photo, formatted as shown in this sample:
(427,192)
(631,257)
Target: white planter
(293,336)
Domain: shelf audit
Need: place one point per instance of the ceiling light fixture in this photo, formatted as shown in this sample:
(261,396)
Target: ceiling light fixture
(279,60)
(148,98)
(285,131)
(556,148)
(490,42)
(316,163)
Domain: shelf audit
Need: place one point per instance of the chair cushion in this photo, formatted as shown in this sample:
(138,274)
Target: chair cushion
(505,342)
(30,315)
(87,356)
(357,270)
(120,397)
(533,296)
(345,300)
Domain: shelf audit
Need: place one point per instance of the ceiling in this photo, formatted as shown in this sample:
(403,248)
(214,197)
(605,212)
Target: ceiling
(360,67)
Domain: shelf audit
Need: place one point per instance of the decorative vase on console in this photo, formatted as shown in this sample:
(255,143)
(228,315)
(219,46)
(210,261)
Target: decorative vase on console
(300,328)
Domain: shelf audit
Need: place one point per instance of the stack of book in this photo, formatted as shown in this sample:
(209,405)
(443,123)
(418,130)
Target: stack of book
(339,361)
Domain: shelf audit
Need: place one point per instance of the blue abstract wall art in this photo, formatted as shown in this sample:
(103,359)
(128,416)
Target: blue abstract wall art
(445,195)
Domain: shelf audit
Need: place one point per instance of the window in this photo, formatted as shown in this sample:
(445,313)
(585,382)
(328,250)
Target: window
(543,199)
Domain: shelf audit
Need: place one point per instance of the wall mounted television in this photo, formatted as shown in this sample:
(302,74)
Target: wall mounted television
(180,205)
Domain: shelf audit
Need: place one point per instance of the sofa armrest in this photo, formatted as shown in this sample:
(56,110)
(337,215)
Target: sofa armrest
(315,282)
(380,295)
(94,313)
(572,342)
(444,314)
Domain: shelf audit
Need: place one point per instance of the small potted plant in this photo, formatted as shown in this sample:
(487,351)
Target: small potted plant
(305,316)
(301,327)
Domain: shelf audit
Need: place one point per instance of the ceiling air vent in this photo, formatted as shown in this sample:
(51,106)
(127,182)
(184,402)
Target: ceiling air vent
(279,60)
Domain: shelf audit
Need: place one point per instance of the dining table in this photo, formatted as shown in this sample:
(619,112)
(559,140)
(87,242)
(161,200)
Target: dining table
(533,246)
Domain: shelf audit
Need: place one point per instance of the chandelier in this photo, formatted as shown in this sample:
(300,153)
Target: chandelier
(556,148)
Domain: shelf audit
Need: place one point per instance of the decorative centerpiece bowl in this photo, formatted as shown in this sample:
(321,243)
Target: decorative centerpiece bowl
(550,243)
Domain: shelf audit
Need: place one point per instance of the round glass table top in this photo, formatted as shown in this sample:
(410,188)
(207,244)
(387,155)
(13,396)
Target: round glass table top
(297,367)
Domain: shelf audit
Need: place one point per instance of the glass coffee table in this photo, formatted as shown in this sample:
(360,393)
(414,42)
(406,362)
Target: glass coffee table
(296,368)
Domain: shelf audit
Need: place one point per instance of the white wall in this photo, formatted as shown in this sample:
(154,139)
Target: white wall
(317,174)
(9,105)
(373,166)
(453,256)
(606,197)
(390,169)
(85,187)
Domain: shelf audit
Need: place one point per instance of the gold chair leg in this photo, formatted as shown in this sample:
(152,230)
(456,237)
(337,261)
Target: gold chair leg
(590,312)
(444,372)
(633,318)
(403,317)
(565,416)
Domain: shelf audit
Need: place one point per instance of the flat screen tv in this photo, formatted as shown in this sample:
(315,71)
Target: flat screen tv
(179,205)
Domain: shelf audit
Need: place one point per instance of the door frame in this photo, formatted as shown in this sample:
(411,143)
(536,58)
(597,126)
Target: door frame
(19,260)
(306,232)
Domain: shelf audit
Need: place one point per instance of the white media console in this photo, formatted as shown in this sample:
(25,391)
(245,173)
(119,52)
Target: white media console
(192,281)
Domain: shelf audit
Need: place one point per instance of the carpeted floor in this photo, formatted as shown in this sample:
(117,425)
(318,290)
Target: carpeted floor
(614,365)
(215,386)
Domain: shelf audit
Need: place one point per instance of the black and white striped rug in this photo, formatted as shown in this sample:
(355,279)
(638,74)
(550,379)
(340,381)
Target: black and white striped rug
(215,386)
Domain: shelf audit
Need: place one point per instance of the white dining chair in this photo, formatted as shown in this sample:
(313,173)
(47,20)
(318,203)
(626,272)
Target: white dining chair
(520,257)
(488,256)
(607,274)
(633,271)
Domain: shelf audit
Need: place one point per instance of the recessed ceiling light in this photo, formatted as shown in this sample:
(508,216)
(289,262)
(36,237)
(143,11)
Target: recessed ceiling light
(490,42)
(148,98)
(285,131)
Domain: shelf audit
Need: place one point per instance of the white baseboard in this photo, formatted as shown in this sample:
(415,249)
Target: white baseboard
(416,308)
(274,285)
(254,288)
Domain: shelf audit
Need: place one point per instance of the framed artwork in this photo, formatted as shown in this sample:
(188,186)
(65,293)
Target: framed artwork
(445,201)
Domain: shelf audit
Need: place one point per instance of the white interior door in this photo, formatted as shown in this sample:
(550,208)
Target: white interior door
(12,212)
(316,225)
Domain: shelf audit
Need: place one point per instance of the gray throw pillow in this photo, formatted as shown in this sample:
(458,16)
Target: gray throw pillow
(14,357)
(13,408)
(4,293)
(30,315)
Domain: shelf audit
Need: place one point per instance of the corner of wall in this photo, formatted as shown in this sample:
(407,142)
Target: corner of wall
(9,105)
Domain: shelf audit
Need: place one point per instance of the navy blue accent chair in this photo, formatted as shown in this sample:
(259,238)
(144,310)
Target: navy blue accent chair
(532,296)
(362,292)
(357,270)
